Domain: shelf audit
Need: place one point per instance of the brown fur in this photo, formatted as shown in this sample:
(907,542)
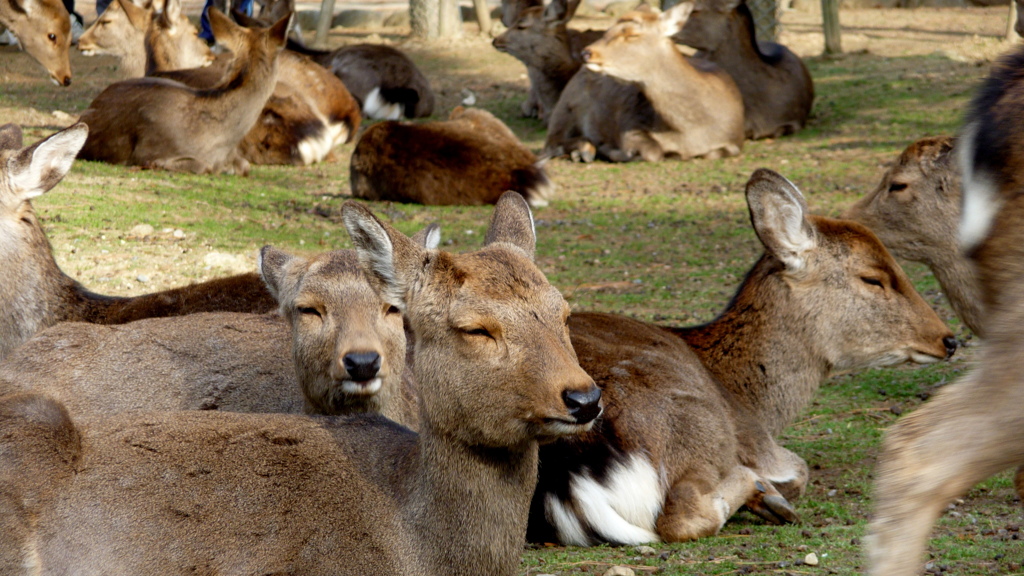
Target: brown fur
(275,493)
(472,158)
(43,28)
(777,88)
(970,430)
(674,106)
(702,412)
(36,293)
(119,31)
(172,42)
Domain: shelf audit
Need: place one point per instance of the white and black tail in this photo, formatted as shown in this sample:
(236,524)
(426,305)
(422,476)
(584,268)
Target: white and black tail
(533,183)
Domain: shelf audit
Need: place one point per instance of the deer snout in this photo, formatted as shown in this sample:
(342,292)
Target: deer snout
(583,405)
(951,344)
(586,54)
(361,366)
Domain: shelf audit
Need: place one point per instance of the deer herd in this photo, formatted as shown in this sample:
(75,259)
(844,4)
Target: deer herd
(400,409)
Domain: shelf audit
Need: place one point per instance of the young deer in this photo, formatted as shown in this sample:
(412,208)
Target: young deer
(43,28)
(35,293)
(159,123)
(691,418)
(971,428)
(470,159)
(274,493)
(777,88)
(674,106)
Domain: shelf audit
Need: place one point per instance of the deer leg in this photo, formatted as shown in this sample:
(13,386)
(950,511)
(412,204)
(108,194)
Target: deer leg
(692,511)
(786,471)
(967,432)
(771,505)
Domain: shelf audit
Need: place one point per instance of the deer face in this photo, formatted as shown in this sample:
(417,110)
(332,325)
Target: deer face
(637,38)
(44,29)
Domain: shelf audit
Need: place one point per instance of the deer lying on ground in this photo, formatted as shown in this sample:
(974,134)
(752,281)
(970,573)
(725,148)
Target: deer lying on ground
(43,28)
(970,429)
(471,158)
(35,293)
(160,123)
(274,493)
(641,99)
(777,88)
(385,82)
(691,414)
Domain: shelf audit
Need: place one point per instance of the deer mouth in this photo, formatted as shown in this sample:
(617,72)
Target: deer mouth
(554,427)
(361,387)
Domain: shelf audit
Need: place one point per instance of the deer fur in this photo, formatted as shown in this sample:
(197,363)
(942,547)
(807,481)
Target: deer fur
(160,123)
(35,293)
(660,103)
(177,492)
(43,28)
(119,31)
(471,158)
(777,88)
(692,414)
(970,429)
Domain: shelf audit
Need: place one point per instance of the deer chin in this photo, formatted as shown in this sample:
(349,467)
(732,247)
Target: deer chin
(553,428)
(923,358)
(365,388)
(595,67)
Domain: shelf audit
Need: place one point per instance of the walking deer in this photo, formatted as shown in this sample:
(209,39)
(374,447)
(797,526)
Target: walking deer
(470,159)
(668,106)
(35,293)
(43,28)
(160,123)
(281,493)
(691,414)
(970,429)
(777,88)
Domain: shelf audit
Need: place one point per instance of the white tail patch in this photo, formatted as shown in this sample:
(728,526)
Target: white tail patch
(544,190)
(316,148)
(980,198)
(376,107)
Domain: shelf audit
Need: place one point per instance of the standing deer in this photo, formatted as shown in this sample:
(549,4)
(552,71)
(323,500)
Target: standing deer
(35,293)
(43,28)
(470,159)
(160,123)
(180,492)
(673,106)
(692,414)
(970,429)
(777,88)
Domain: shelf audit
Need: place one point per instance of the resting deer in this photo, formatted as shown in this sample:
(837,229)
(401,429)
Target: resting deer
(43,28)
(35,293)
(177,492)
(688,435)
(970,429)
(672,106)
(469,159)
(777,88)
(160,123)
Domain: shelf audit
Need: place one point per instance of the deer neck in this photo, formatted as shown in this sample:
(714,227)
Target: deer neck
(239,99)
(668,82)
(133,64)
(761,351)
(960,283)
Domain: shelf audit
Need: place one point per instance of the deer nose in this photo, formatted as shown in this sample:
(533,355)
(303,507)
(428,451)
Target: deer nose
(583,405)
(950,343)
(362,366)
(67,80)
(585,54)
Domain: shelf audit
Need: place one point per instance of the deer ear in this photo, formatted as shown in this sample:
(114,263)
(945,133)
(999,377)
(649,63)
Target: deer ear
(390,259)
(671,21)
(225,32)
(779,215)
(138,17)
(559,11)
(512,222)
(273,267)
(279,31)
(10,137)
(171,13)
(41,166)
(429,237)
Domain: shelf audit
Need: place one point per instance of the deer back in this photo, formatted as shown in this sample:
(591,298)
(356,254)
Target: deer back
(43,28)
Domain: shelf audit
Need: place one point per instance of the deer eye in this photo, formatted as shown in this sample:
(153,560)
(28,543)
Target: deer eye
(310,311)
(392,310)
(871,281)
(477,332)
(897,186)
(52,37)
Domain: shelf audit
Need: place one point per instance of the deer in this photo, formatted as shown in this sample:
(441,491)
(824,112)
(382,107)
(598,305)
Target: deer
(927,460)
(670,106)
(161,123)
(355,495)
(469,159)
(776,86)
(692,414)
(43,28)
(35,293)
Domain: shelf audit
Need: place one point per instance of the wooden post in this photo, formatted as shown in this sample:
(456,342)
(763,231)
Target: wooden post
(483,16)
(830,23)
(323,23)
(1011,21)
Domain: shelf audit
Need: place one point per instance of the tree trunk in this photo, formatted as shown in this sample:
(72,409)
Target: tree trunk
(483,15)
(323,23)
(830,23)
(1011,21)
(432,19)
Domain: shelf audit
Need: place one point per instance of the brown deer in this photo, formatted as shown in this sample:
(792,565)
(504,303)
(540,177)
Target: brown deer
(970,429)
(691,414)
(43,28)
(669,106)
(119,31)
(470,159)
(275,493)
(35,293)
(777,88)
(160,123)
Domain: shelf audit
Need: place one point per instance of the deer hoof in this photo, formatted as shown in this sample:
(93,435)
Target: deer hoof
(772,507)
(585,153)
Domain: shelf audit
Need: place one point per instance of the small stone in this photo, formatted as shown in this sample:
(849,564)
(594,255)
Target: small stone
(142,278)
(811,559)
(61,115)
(141,230)
(619,571)
(646,550)
(179,233)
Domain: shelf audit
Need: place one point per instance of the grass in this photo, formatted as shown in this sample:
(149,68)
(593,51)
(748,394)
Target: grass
(666,242)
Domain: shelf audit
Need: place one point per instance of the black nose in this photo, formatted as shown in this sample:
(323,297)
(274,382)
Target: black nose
(584,406)
(585,55)
(950,343)
(362,366)
(67,80)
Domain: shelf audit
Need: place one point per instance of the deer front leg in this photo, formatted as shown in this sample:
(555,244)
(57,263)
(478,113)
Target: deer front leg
(694,509)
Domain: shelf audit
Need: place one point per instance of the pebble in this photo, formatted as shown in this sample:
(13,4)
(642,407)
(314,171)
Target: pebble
(811,559)
(141,230)
(619,571)
(179,233)
(142,278)
(646,550)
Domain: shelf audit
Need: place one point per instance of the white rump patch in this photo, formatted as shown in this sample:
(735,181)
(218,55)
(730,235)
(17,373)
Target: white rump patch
(543,191)
(315,148)
(376,107)
(980,198)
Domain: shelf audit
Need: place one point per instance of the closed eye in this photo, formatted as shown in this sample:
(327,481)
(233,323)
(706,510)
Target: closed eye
(478,332)
(871,281)
(392,310)
(897,186)
(306,310)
